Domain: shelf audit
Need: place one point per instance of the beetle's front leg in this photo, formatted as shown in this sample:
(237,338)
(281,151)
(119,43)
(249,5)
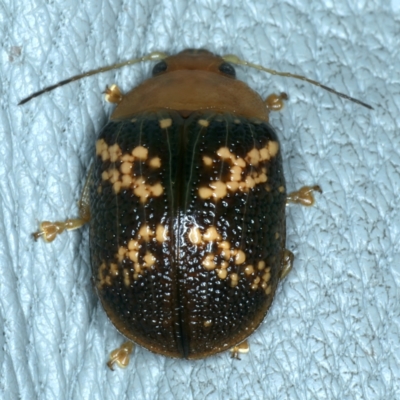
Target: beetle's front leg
(49,230)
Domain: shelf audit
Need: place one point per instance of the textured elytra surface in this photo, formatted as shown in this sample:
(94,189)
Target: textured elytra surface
(188,229)
(333,328)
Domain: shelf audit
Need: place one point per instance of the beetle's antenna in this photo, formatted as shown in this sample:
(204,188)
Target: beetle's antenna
(150,57)
(236,60)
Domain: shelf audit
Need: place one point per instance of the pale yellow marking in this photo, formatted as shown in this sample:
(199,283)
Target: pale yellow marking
(127,158)
(115,152)
(155,162)
(140,152)
(113,175)
(281,189)
(205,193)
(195,235)
(126,181)
(161,233)
(261,265)
(240,257)
(208,262)
(105,176)
(207,323)
(165,123)
(207,161)
(149,259)
(133,245)
(236,121)
(268,290)
(220,190)
(156,190)
(203,122)
(127,280)
(273,148)
(113,269)
(249,270)
(117,186)
(133,255)
(145,233)
(222,273)
(234,279)
(277,235)
(126,167)
(266,277)
(211,235)
(101,145)
(105,155)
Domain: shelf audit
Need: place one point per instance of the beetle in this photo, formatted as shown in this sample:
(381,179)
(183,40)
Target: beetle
(186,205)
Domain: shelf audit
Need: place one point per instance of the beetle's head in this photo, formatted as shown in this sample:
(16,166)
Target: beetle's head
(195,59)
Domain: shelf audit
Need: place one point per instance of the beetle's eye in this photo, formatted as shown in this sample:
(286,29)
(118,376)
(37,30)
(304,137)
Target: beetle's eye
(227,69)
(159,68)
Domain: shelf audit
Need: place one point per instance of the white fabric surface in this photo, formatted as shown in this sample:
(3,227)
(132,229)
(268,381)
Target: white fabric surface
(333,330)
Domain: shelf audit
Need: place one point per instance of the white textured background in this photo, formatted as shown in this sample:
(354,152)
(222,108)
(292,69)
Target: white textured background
(333,330)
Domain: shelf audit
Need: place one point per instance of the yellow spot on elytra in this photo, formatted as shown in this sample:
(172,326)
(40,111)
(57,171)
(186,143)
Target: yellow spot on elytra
(261,265)
(205,193)
(222,273)
(149,259)
(115,152)
(133,255)
(273,148)
(145,233)
(211,235)
(117,186)
(113,269)
(240,257)
(203,122)
(281,189)
(113,175)
(165,123)
(266,277)
(126,181)
(277,235)
(126,167)
(140,152)
(105,176)
(208,263)
(133,245)
(127,281)
(249,270)
(268,290)
(219,189)
(195,235)
(207,323)
(161,233)
(207,161)
(155,162)
(234,279)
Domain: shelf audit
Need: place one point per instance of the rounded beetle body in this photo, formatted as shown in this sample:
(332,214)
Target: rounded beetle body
(187,203)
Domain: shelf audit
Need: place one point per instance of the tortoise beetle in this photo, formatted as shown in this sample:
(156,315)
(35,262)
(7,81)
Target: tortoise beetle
(186,205)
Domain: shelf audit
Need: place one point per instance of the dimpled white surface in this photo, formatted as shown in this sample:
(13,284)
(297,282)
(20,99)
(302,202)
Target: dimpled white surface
(333,329)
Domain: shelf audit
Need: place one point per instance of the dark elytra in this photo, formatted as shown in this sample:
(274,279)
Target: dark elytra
(208,283)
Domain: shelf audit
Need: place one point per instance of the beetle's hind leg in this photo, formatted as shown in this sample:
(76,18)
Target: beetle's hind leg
(121,356)
(49,230)
(303,196)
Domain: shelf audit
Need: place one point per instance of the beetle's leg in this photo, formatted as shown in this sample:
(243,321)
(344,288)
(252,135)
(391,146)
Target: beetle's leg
(120,356)
(274,102)
(243,347)
(303,196)
(49,230)
(113,94)
(287,263)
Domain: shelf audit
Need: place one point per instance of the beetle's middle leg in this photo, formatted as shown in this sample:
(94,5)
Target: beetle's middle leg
(305,197)
(49,230)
